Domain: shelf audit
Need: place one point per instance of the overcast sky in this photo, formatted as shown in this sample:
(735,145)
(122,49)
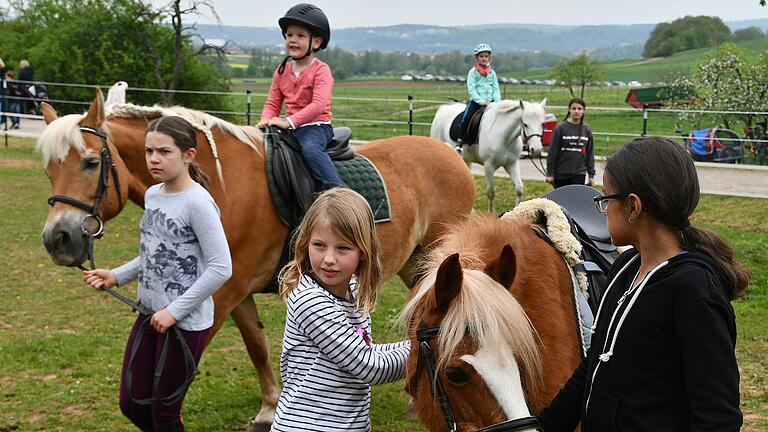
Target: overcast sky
(353,13)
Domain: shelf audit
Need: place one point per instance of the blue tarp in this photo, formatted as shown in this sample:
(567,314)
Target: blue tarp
(700,142)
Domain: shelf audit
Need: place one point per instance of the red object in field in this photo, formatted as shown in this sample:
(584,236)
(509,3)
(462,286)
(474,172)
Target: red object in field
(550,121)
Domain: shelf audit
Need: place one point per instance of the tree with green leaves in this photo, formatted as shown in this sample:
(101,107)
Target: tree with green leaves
(103,41)
(577,72)
(749,33)
(685,34)
(727,80)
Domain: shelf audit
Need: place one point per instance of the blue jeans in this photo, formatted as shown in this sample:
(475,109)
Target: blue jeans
(314,139)
(14,107)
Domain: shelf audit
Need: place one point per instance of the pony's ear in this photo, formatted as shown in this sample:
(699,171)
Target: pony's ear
(521,104)
(49,114)
(503,268)
(95,115)
(447,283)
(544,102)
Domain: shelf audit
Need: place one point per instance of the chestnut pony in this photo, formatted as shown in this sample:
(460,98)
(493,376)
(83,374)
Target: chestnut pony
(428,186)
(492,328)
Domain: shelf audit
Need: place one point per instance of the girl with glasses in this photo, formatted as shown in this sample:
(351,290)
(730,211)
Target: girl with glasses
(663,348)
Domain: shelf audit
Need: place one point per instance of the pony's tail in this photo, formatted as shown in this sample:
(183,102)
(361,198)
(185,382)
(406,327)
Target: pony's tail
(199,175)
(709,243)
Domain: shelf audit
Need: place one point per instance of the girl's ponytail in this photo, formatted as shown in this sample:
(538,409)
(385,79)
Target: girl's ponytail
(199,175)
(711,244)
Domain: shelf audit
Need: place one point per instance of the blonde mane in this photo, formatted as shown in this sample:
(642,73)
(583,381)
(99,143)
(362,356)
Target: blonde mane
(59,136)
(201,121)
(64,133)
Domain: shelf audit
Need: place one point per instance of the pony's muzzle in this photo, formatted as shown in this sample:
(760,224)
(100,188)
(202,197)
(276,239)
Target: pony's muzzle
(65,242)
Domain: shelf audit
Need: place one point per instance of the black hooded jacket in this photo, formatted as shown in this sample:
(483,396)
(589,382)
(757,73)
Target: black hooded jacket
(673,365)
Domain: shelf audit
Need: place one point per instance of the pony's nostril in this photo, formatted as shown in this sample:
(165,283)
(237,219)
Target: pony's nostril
(62,238)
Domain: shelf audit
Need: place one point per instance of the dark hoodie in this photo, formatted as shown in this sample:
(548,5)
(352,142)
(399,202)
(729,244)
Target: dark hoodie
(673,367)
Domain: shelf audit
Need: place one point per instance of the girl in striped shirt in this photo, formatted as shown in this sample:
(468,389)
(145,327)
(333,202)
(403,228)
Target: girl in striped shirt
(329,360)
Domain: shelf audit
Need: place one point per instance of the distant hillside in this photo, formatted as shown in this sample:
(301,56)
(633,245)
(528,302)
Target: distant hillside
(656,69)
(607,42)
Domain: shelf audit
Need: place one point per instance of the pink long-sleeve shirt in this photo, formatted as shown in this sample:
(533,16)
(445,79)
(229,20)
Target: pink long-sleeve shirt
(307,97)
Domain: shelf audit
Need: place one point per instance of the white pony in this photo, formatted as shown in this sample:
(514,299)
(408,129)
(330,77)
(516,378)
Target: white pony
(503,128)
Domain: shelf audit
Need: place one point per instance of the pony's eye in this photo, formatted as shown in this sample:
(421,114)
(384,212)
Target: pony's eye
(456,375)
(90,163)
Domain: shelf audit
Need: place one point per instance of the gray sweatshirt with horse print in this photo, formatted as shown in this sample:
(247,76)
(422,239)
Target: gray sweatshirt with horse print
(183,255)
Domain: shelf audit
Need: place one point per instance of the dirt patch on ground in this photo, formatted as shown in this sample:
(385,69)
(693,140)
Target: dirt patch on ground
(19,163)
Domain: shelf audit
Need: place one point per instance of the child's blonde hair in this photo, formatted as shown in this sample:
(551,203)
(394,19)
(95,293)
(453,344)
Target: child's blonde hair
(348,214)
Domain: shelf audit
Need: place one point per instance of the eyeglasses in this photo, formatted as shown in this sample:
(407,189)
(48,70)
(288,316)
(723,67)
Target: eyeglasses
(601,201)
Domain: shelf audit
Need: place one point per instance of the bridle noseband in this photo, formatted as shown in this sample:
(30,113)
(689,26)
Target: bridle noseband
(108,165)
(426,355)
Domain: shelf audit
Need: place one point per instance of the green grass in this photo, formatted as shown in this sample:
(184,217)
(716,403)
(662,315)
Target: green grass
(62,343)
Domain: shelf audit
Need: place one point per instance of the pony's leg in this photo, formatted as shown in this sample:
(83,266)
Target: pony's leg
(490,190)
(246,316)
(408,272)
(513,169)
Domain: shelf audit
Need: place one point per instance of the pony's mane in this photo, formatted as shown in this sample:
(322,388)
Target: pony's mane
(484,308)
(200,120)
(59,136)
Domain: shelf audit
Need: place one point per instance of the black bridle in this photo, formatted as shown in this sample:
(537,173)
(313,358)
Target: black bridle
(108,165)
(426,356)
(101,189)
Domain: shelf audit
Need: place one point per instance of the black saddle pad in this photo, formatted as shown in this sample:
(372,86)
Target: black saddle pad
(473,128)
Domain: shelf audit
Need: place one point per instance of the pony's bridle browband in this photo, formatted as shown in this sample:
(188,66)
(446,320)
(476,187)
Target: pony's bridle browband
(108,165)
(423,335)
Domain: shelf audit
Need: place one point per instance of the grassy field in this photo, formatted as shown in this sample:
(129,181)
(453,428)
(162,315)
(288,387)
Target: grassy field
(61,343)
(377,109)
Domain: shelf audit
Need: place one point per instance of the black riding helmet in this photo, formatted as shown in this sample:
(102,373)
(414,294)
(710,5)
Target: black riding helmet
(310,16)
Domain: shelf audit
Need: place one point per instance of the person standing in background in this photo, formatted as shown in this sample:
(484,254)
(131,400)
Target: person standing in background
(572,151)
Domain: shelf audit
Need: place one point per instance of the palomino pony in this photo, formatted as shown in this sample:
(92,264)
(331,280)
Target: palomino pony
(476,359)
(503,128)
(427,183)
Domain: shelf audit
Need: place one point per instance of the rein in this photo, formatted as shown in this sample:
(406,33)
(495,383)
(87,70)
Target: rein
(526,137)
(108,165)
(426,356)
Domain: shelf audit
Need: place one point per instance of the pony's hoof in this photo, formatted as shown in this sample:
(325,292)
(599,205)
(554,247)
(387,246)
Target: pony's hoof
(260,427)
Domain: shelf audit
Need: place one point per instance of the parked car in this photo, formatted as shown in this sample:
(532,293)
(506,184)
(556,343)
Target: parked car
(406,77)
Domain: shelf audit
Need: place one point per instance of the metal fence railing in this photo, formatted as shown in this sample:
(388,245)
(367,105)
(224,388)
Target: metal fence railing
(372,117)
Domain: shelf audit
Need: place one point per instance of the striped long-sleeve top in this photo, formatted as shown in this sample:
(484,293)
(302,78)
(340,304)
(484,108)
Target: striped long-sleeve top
(329,363)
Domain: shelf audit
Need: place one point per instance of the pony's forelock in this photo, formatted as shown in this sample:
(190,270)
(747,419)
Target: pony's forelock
(59,136)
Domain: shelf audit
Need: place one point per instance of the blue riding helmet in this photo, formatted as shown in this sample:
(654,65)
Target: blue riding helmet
(483,47)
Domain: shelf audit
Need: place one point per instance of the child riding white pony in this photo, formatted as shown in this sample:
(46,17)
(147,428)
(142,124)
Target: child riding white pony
(503,128)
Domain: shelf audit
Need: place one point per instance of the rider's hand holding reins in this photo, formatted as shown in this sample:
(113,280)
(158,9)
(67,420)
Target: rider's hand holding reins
(162,320)
(99,278)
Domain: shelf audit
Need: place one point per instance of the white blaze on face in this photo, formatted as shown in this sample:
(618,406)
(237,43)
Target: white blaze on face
(499,370)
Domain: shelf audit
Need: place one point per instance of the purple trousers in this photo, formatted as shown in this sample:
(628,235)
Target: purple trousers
(156,415)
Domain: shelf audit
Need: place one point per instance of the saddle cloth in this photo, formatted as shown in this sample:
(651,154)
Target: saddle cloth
(293,189)
(473,127)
